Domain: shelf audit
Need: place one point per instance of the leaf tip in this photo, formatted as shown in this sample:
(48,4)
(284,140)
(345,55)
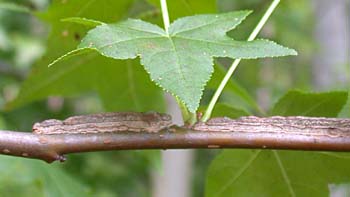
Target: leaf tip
(83,21)
(70,54)
(294,52)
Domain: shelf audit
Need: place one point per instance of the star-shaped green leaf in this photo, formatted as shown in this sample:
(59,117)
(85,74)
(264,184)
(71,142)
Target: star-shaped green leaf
(180,60)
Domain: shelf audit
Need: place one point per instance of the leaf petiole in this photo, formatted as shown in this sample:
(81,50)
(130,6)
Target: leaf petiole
(188,117)
(234,65)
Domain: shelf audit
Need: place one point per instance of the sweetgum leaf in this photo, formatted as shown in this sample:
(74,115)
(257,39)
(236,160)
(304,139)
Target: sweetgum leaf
(188,7)
(345,113)
(13,7)
(308,104)
(233,89)
(277,173)
(225,110)
(21,177)
(181,60)
(257,173)
(83,21)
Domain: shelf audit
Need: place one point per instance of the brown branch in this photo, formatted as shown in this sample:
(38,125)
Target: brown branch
(128,131)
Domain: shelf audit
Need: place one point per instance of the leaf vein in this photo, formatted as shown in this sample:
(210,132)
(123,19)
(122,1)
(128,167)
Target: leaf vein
(239,173)
(284,174)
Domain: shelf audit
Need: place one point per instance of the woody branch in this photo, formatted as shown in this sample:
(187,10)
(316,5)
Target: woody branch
(291,133)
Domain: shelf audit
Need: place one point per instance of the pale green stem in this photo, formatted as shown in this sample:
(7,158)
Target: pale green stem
(234,65)
(188,117)
(165,14)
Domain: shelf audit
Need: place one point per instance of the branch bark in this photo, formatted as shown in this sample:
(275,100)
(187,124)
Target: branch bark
(129,131)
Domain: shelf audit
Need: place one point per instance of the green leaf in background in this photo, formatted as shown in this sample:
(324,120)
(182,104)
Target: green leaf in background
(263,173)
(83,21)
(13,7)
(225,110)
(259,173)
(345,113)
(188,7)
(36,178)
(181,60)
(2,122)
(121,85)
(295,103)
(237,93)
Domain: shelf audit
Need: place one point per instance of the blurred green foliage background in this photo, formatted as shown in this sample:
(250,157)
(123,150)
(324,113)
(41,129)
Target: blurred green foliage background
(27,46)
